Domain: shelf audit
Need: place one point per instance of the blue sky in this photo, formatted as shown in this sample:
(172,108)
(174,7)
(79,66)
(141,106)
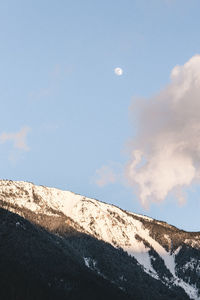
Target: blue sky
(60,94)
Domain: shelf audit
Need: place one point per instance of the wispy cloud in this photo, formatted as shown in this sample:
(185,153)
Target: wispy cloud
(166,151)
(17,138)
(109,174)
(104,176)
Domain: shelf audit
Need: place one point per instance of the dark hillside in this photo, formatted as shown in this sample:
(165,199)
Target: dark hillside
(37,265)
(48,263)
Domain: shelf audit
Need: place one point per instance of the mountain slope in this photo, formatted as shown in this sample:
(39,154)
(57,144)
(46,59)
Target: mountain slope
(38,265)
(166,258)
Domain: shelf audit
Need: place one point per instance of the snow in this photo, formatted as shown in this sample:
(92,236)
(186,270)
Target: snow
(192,242)
(189,289)
(87,261)
(168,259)
(177,250)
(142,216)
(192,264)
(24,193)
(92,264)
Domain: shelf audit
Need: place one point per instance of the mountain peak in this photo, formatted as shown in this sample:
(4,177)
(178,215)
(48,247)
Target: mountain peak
(152,243)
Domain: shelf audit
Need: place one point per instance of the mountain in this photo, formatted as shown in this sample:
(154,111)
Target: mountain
(58,245)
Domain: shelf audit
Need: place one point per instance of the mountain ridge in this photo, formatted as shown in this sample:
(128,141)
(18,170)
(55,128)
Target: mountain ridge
(139,215)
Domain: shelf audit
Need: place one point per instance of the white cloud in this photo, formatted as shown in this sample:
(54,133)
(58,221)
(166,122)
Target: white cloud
(166,151)
(17,138)
(104,176)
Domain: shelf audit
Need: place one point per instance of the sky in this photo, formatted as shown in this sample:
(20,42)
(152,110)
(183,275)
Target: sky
(68,120)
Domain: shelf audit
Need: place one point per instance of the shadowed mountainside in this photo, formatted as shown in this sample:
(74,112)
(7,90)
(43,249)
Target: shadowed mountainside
(73,245)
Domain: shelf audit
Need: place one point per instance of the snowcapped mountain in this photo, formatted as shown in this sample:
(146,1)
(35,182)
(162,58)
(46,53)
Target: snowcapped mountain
(148,259)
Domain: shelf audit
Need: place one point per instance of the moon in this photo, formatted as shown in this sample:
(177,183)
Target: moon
(118,71)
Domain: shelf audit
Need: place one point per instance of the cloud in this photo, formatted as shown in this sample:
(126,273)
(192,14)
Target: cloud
(104,176)
(165,154)
(17,138)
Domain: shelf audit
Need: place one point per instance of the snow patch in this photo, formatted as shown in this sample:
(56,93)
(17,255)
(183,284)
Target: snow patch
(189,289)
